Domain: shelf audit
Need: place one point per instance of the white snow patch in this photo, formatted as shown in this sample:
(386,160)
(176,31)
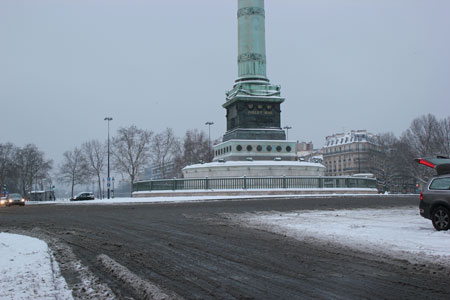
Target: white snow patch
(399,232)
(28,270)
(174,198)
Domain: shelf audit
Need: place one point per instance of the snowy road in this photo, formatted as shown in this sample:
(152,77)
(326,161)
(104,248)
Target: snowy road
(200,251)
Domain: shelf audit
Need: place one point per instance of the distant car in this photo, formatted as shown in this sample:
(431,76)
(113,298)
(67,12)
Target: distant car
(435,198)
(83,196)
(15,199)
(3,201)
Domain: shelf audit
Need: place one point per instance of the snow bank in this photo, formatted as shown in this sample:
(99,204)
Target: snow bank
(143,289)
(177,199)
(29,270)
(399,232)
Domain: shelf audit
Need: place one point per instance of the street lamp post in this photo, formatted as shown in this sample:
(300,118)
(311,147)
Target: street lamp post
(209,123)
(103,190)
(112,194)
(287,131)
(108,183)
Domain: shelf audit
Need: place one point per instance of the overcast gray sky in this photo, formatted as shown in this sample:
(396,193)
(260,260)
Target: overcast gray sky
(342,65)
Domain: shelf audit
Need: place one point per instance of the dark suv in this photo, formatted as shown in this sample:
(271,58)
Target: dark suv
(435,198)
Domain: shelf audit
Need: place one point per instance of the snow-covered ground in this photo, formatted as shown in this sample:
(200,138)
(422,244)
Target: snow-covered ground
(28,270)
(397,232)
(177,199)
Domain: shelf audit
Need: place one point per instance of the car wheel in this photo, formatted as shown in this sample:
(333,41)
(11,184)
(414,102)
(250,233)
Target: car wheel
(441,218)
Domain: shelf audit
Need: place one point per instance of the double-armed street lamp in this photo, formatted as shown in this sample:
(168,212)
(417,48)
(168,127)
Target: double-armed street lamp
(108,183)
(287,131)
(209,123)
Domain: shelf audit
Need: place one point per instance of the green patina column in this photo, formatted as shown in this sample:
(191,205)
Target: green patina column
(252,39)
(253,104)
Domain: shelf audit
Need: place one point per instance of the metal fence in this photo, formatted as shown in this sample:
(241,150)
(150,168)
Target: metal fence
(246,183)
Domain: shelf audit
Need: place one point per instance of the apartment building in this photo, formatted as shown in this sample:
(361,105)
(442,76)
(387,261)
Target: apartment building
(347,154)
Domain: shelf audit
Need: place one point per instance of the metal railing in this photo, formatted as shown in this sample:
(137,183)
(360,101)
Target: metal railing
(246,183)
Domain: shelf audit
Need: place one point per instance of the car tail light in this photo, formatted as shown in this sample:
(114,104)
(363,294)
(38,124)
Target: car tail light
(421,196)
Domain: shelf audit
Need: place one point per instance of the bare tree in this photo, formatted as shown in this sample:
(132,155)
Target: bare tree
(426,136)
(443,137)
(194,149)
(7,153)
(131,151)
(74,168)
(95,154)
(384,162)
(165,147)
(422,135)
(31,166)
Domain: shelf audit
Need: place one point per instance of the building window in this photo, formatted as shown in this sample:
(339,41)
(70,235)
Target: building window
(269,148)
(279,148)
(239,148)
(259,148)
(249,148)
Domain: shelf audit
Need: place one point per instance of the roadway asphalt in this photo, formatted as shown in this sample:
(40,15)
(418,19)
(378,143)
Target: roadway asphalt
(197,252)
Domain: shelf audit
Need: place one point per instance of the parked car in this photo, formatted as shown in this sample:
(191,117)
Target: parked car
(15,199)
(3,201)
(83,196)
(435,198)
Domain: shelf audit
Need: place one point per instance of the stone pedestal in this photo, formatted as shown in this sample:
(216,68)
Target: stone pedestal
(248,150)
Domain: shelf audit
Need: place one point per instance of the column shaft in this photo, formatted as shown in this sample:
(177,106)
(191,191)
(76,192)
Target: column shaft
(252,41)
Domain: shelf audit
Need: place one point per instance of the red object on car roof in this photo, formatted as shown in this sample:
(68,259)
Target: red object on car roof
(426,163)
(440,163)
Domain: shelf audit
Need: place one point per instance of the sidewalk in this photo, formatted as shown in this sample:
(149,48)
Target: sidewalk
(29,270)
